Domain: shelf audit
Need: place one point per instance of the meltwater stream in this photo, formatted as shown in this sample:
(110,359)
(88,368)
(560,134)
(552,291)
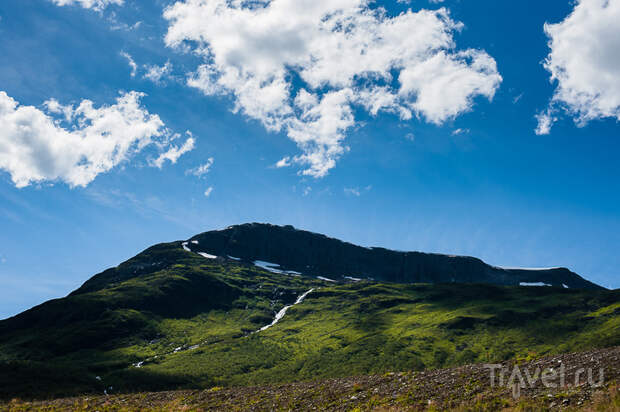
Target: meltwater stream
(282,311)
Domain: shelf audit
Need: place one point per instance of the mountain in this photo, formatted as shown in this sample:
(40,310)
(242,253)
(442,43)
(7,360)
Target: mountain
(212,311)
(314,254)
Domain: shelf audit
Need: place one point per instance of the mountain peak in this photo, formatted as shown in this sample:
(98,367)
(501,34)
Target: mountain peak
(315,254)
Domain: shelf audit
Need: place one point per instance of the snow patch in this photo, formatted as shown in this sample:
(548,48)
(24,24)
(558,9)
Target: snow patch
(274,268)
(195,242)
(184,244)
(292,272)
(234,258)
(207,256)
(325,279)
(564,286)
(271,267)
(533,284)
(353,279)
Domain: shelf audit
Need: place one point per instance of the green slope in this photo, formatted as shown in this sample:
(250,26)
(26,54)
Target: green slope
(168,299)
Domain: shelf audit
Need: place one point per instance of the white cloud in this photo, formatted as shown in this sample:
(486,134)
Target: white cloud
(585,63)
(517,98)
(444,85)
(209,191)
(284,162)
(156,74)
(174,152)
(131,62)
(459,131)
(345,54)
(356,191)
(74,144)
(202,169)
(89,4)
(352,191)
(545,122)
(119,25)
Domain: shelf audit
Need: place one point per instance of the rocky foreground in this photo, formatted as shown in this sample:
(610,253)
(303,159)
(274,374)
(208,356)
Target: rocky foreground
(576,381)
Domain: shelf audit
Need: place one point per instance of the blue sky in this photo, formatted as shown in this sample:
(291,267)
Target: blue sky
(479,181)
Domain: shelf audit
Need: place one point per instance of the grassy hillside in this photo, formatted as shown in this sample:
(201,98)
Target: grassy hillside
(188,322)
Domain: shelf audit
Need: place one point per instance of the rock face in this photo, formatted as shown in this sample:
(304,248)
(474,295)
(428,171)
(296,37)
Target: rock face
(318,255)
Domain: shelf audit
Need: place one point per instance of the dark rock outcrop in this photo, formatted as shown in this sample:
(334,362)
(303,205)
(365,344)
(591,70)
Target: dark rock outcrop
(318,255)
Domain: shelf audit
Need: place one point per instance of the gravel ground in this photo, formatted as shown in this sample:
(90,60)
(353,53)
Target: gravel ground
(464,388)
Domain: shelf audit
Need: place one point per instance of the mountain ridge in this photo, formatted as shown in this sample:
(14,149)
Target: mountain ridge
(317,254)
(314,254)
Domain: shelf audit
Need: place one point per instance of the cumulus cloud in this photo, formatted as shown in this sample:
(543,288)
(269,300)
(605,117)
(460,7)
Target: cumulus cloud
(284,162)
(89,4)
(74,144)
(157,74)
(131,62)
(209,191)
(545,122)
(174,152)
(303,67)
(585,63)
(202,169)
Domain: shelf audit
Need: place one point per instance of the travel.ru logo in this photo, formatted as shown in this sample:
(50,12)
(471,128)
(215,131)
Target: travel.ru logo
(519,378)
